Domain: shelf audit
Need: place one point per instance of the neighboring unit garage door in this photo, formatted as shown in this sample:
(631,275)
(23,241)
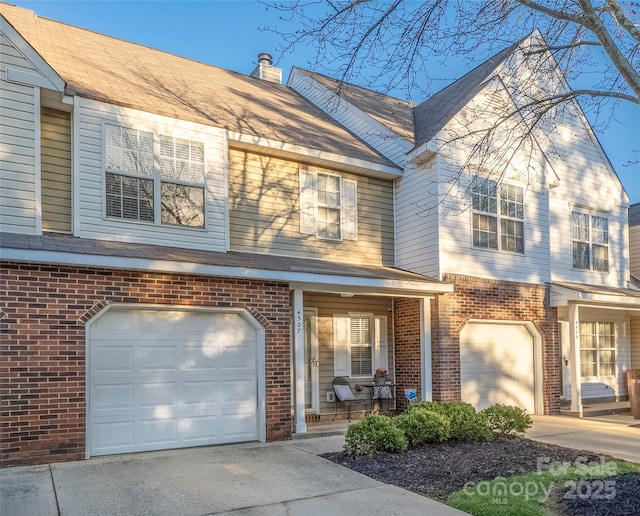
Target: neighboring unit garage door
(169,379)
(497,365)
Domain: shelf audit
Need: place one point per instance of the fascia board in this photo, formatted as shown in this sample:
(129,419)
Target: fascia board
(311,280)
(53,80)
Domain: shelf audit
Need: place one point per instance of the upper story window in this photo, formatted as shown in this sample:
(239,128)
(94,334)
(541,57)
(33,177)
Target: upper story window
(498,215)
(328,206)
(153,177)
(590,241)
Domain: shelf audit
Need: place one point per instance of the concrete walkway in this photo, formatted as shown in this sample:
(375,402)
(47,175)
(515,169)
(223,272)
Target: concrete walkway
(253,479)
(609,435)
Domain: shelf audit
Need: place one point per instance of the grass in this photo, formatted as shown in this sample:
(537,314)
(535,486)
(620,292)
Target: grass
(537,493)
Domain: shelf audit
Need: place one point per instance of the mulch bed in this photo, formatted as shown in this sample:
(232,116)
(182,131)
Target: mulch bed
(436,471)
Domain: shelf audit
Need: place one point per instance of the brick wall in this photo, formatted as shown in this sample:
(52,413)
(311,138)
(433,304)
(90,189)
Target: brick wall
(45,308)
(406,335)
(476,298)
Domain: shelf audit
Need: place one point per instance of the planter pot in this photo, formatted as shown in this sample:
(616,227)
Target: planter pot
(633,388)
(379,380)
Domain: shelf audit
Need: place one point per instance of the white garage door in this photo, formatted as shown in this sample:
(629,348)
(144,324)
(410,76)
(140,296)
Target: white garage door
(170,379)
(497,365)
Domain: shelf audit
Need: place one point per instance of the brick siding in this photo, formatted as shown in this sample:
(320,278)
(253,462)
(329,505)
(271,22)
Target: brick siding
(45,309)
(474,298)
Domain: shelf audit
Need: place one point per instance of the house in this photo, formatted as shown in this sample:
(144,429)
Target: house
(191,255)
(525,216)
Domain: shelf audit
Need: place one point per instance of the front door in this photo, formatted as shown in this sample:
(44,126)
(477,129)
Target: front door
(311,363)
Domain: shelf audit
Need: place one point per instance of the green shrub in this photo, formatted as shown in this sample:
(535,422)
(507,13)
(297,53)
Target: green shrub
(466,423)
(375,433)
(422,426)
(507,421)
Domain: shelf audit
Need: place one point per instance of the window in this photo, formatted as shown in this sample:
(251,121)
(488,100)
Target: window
(590,241)
(597,349)
(359,344)
(498,215)
(131,177)
(328,206)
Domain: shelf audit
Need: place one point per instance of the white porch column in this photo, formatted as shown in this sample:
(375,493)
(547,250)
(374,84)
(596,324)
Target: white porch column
(298,362)
(425,349)
(574,359)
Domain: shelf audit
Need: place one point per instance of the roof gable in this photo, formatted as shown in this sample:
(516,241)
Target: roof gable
(39,73)
(127,74)
(393,113)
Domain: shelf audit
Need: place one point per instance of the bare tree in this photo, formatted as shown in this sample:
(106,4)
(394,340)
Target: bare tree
(388,45)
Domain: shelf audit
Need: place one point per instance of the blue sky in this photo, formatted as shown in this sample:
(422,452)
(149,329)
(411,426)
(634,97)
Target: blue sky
(230,34)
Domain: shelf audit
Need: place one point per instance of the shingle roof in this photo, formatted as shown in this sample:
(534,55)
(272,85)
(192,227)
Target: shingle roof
(395,114)
(434,113)
(417,123)
(127,74)
(634,214)
(85,246)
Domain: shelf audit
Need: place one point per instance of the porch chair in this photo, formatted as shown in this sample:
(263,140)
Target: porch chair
(344,394)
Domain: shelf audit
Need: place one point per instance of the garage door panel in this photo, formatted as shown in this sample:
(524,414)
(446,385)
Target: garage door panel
(194,382)
(156,358)
(114,437)
(199,428)
(158,394)
(497,365)
(112,397)
(199,393)
(154,431)
(111,357)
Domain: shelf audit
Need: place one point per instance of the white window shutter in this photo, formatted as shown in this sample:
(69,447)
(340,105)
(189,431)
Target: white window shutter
(307,202)
(381,343)
(349,209)
(341,329)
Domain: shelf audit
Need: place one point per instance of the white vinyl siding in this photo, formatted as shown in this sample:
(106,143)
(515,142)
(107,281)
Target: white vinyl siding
(371,131)
(55,129)
(18,124)
(93,117)
(417,231)
(455,231)
(267,214)
(634,250)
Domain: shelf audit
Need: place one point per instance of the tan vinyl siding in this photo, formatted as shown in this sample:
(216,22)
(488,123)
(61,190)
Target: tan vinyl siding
(634,250)
(635,342)
(327,305)
(264,213)
(55,129)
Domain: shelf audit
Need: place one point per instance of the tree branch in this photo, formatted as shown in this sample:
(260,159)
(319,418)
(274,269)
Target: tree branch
(616,11)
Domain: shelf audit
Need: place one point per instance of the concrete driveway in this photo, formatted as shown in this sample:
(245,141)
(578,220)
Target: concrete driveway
(253,479)
(617,437)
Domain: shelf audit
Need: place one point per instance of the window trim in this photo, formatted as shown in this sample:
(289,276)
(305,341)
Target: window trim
(156,175)
(598,349)
(342,343)
(497,216)
(309,205)
(591,215)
